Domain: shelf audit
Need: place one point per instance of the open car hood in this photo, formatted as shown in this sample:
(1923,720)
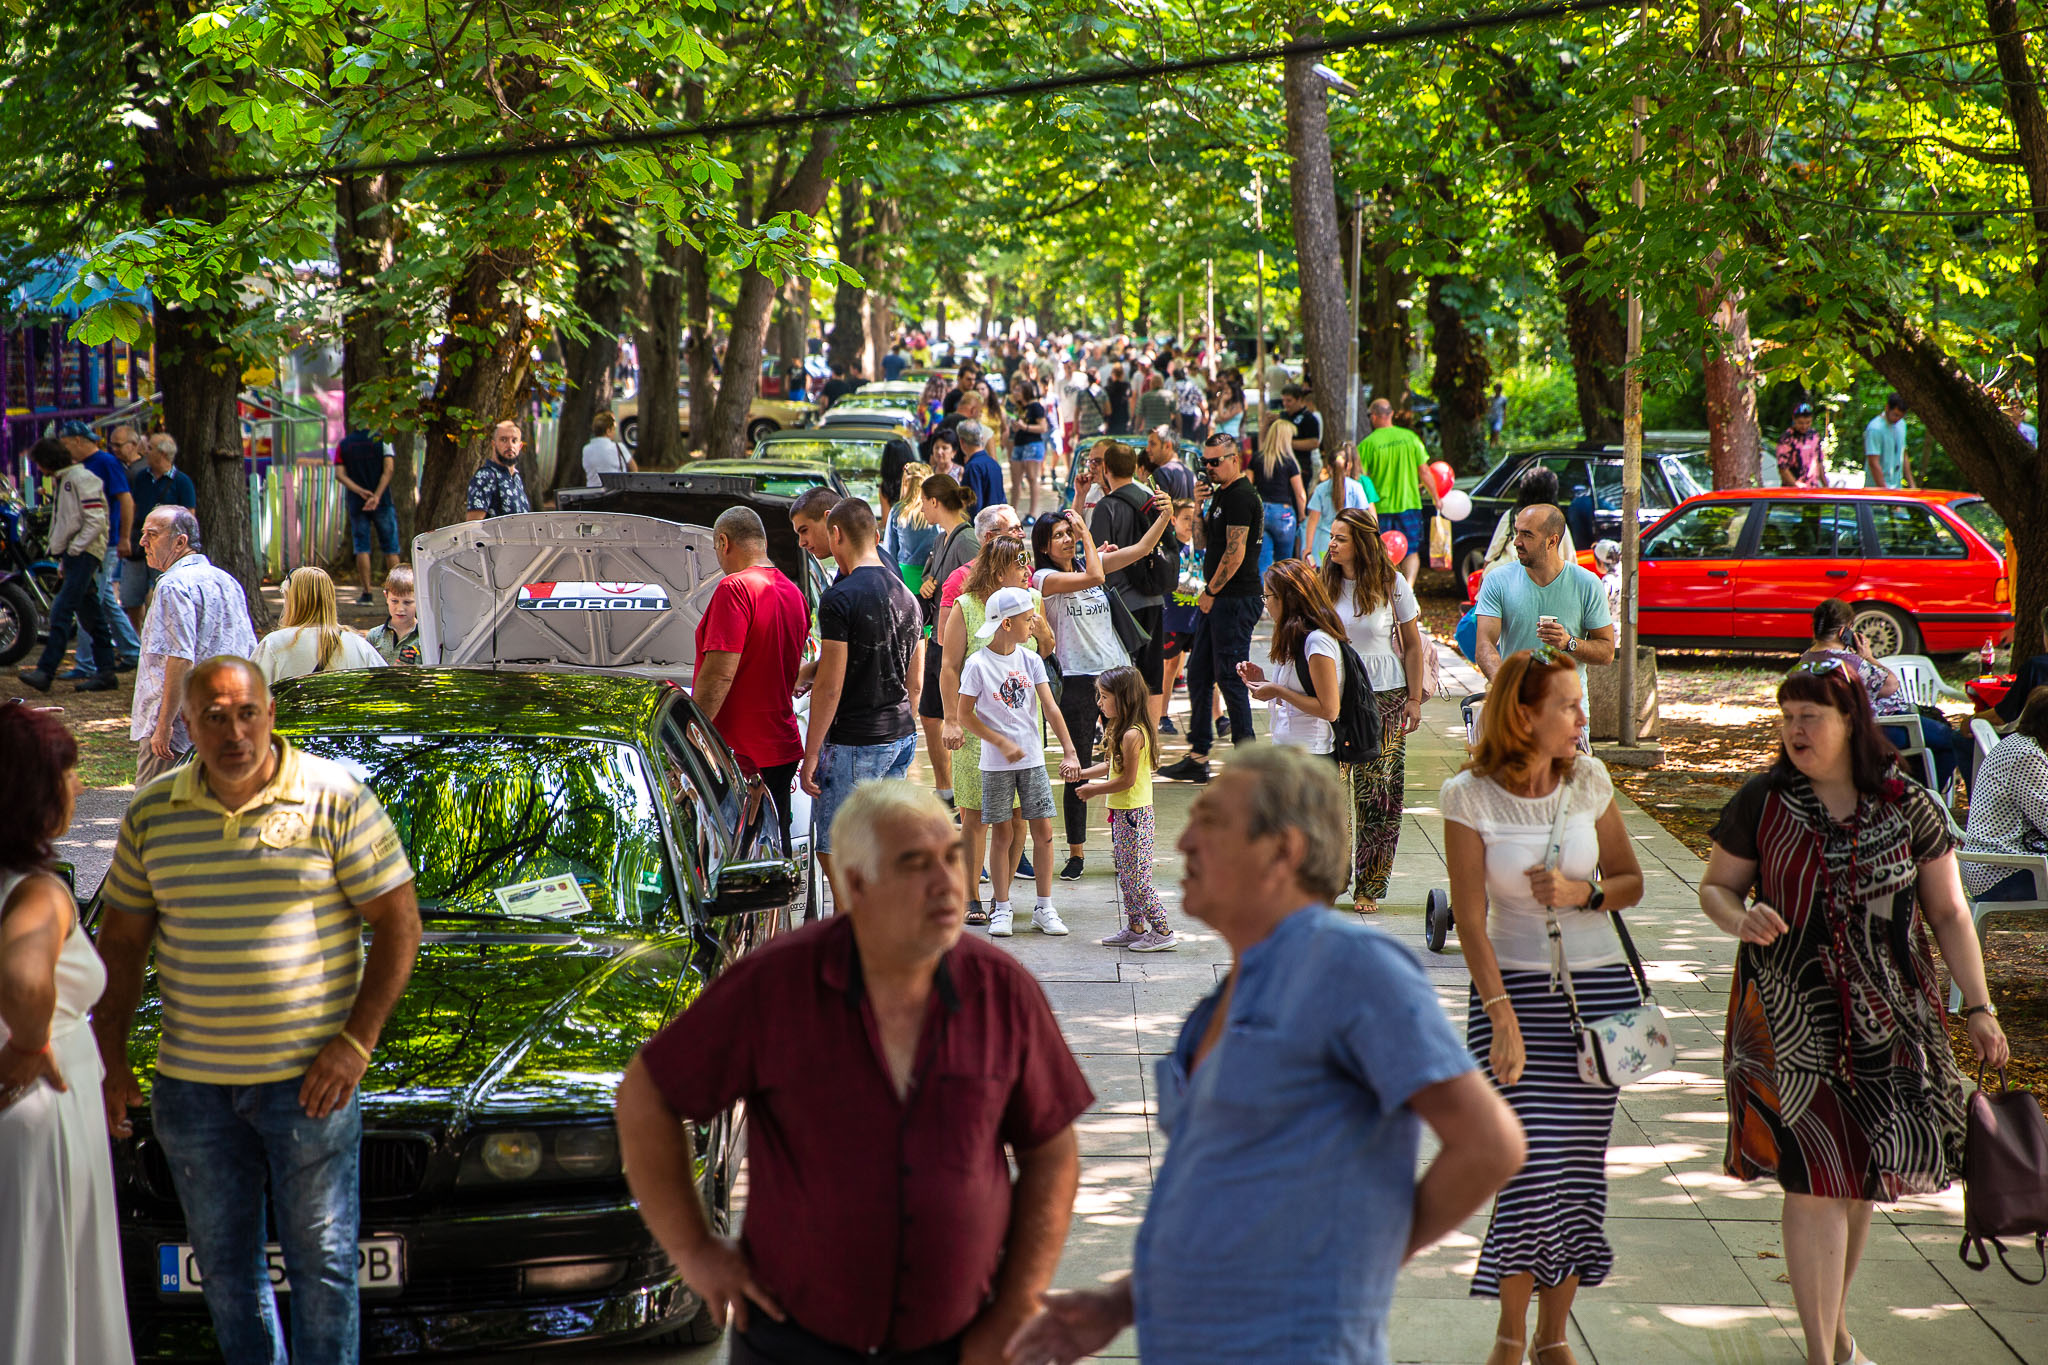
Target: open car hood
(565,589)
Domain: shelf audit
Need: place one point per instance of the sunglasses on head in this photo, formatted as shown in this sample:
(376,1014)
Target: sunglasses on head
(1819,666)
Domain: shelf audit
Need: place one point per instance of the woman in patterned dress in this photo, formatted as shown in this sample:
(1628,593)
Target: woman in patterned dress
(1841,1084)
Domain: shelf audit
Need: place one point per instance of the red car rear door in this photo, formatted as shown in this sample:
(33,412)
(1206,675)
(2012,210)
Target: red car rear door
(1921,562)
(1686,589)
(1808,549)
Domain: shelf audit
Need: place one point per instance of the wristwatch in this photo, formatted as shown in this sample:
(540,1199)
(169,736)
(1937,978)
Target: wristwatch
(1597,897)
(1986,1008)
(1571,644)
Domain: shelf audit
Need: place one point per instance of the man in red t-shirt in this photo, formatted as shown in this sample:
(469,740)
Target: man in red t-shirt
(750,645)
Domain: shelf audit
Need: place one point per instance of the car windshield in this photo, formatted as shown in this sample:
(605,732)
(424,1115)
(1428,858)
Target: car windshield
(1685,473)
(516,826)
(1982,518)
(851,459)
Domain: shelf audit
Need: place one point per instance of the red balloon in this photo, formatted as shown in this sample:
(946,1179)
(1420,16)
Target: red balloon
(1396,543)
(1442,478)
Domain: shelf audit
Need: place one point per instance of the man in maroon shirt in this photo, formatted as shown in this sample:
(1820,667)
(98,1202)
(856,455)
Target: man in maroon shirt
(886,1062)
(750,645)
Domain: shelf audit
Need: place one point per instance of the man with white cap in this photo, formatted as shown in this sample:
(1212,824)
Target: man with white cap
(1003,693)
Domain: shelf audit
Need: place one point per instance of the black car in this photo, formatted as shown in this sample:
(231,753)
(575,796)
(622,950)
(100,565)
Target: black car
(1588,476)
(588,856)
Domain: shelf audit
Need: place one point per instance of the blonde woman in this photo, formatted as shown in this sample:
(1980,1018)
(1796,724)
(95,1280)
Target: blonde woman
(909,535)
(311,639)
(1277,476)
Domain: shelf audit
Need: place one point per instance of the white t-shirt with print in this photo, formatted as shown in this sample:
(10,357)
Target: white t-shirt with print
(1005,692)
(1290,724)
(1376,635)
(1083,633)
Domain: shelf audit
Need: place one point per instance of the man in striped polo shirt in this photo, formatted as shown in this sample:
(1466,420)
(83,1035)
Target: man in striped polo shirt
(253,871)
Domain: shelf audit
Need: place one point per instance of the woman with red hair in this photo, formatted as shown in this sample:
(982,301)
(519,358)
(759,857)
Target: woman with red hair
(60,1261)
(1531,832)
(1829,869)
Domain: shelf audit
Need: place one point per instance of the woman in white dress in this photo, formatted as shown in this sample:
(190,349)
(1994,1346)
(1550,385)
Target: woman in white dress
(311,639)
(61,1300)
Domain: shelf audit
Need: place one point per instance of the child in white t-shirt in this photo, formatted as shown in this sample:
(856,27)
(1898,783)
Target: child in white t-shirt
(1003,693)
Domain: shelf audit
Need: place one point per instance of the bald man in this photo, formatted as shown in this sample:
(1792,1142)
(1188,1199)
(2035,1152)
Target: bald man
(1541,600)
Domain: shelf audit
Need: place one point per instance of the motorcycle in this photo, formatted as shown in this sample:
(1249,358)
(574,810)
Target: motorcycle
(27,581)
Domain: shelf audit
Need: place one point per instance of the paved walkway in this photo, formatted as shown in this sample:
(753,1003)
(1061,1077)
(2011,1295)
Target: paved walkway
(1699,1274)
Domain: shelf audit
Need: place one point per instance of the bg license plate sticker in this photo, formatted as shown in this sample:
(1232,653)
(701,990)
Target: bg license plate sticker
(593,597)
(380,1264)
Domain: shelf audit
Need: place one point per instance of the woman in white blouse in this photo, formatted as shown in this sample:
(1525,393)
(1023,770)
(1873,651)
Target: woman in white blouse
(1547,1235)
(1306,633)
(1381,619)
(311,639)
(603,455)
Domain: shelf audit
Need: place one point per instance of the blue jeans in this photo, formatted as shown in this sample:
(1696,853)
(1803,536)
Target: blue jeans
(224,1142)
(842,767)
(1223,640)
(2015,886)
(384,521)
(127,644)
(1280,542)
(78,599)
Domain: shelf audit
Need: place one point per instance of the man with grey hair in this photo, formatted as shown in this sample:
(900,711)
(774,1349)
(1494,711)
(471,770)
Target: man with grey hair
(980,470)
(196,612)
(750,646)
(1294,1100)
(892,1068)
(1542,601)
(155,482)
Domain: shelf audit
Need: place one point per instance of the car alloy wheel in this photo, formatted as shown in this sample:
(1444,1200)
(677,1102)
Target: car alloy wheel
(1886,630)
(629,432)
(761,428)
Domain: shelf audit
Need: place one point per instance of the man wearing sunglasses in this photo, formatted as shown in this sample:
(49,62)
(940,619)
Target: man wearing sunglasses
(1230,603)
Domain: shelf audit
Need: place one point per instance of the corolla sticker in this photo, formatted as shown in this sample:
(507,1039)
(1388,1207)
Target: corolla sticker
(593,597)
(557,897)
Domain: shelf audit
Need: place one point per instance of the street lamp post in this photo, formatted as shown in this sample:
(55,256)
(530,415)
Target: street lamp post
(1632,450)
(1351,348)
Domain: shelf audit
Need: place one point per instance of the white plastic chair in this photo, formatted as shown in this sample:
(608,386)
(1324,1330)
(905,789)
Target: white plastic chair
(1917,679)
(1980,910)
(1926,666)
(1986,735)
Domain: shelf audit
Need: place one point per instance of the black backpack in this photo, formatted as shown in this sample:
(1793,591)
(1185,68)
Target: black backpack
(1157,574)
(1356,730)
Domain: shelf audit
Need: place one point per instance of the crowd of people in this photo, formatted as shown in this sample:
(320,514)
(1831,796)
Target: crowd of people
(913,1059)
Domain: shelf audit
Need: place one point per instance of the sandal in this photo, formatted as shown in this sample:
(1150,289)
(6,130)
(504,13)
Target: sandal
(1537,1354)
(1855,1356)
(1510,1341)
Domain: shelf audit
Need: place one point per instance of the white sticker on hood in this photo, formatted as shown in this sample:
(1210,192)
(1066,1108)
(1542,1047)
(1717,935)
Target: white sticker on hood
(593,597)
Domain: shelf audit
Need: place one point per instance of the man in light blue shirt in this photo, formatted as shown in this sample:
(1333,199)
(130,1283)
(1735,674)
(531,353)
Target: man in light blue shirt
(1884,447)
(1294,1101)
(1541,600)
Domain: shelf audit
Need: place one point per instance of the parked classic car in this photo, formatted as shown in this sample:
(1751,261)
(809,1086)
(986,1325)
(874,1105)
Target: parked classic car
(588,857)
(852,451)
(1744,568)
(766,415)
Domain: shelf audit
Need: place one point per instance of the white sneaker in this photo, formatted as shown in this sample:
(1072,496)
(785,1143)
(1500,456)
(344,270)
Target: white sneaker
(999,924)
(1156,942)
(1048,921)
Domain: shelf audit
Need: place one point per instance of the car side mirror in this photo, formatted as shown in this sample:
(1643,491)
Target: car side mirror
(766,884)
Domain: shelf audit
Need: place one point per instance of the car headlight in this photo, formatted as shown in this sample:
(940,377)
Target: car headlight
(585,1152)
(511,1156)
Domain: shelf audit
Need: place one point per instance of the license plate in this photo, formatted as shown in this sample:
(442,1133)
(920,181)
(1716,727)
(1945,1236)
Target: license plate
(380,1264)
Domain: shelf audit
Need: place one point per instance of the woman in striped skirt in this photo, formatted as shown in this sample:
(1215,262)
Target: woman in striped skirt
(1547,1237)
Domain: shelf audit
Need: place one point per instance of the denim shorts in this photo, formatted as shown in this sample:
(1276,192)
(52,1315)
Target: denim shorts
(1005,789)
(1033,453)
(384,519)
(842,767)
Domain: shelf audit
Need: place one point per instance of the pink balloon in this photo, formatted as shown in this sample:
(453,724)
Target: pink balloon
(1396,543)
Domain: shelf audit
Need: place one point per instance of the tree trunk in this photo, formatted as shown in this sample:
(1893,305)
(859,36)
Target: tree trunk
(588,361)
(792,322)
(849,344)
(804,193)
(1312,191)
(1461,375)
(661,421)
(1391,338)
(1044,313)
(1595,331)
(484,360)
(363,251)
(1734,441)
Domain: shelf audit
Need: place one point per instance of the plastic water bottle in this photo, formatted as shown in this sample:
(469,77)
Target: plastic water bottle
(1987,657)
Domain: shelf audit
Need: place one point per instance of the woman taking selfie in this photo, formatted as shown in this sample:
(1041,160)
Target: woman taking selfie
(1830,868)
(1525,780)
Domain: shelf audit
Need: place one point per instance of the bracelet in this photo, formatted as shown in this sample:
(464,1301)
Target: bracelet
(1490,1001)
(18,1051)
(349,1038)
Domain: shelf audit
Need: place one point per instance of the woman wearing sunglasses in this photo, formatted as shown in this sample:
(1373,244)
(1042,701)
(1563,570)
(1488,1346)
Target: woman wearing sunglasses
(1830,869)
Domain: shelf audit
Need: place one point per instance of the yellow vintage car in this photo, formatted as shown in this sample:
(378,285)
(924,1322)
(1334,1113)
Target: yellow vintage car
(768,415)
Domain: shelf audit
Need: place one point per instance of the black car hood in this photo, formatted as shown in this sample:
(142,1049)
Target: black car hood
(499,1022)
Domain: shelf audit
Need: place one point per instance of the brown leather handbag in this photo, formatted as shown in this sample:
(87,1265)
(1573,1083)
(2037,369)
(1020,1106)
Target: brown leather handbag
(2005,1176)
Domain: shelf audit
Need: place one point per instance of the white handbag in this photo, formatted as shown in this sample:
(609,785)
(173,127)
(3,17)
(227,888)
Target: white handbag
(1622,1048)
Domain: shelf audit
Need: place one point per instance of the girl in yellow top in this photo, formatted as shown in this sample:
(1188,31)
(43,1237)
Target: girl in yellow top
(1125,777)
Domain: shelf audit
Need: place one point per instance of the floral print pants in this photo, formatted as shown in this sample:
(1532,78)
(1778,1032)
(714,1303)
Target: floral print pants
(1130,848)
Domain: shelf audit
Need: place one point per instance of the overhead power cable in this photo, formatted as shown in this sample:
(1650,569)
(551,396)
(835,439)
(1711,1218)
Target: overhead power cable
(499,153)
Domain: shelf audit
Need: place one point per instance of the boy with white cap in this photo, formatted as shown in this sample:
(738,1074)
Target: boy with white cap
(1003,694)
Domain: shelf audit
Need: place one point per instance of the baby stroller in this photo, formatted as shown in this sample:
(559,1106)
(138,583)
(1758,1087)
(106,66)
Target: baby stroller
(1436,906)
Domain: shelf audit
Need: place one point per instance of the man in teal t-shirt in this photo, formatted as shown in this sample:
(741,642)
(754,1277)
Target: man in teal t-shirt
(1884,447)
(1541,600)
(1393,457)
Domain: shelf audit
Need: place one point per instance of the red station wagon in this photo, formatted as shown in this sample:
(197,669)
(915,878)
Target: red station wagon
(1744,568)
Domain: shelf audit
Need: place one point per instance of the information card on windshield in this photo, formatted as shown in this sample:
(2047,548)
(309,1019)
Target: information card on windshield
(549,898)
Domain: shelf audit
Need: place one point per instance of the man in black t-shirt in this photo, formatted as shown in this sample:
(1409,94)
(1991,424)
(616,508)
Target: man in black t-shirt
(1231,602)
(1300,402)
(870,670)
(839,385)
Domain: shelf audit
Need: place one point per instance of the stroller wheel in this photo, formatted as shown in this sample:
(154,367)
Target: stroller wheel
(1436,919)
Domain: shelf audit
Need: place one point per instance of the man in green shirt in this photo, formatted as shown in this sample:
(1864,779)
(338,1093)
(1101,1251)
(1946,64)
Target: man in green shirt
(1393,457)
